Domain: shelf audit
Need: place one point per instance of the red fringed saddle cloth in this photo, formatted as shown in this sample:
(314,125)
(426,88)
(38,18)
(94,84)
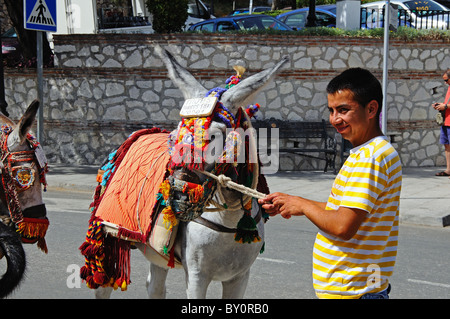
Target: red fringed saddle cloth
(124,201)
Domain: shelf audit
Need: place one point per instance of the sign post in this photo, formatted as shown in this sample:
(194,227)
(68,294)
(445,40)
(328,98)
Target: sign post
(385,66)
(40,15)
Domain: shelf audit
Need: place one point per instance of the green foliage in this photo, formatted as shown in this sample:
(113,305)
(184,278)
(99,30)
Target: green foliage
(168,16)
(409,34)
(323,31)
(403,33)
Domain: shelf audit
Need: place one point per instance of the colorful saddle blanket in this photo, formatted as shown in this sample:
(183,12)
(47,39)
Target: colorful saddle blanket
(124,201)
(131,194)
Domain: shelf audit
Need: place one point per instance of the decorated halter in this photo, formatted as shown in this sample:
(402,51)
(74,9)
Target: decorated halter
(31,223)
(188,144)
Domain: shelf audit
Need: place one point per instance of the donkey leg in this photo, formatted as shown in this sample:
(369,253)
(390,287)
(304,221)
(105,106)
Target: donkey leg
(235,288)
(197,285)
(103,292)
(156,282)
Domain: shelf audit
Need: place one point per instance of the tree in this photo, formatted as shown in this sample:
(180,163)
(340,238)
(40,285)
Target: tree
(311,19)
(293,4)
(168,16)
(27,38)
(280,4)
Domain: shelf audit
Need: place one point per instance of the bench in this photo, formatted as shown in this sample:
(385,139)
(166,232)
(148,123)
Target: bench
(294,131)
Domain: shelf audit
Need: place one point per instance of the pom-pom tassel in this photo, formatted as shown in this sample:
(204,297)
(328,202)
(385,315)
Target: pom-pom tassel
(120,268)
(263,247)
(33,230)
(93,250)
(252,109)
(42,245)
(33,227)
(247,231)
(169,219)
(195,194)
(171,262)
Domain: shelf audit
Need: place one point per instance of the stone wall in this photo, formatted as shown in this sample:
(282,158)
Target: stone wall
(106,86)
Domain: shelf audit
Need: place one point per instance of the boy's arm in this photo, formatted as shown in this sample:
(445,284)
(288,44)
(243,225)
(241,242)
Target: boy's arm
(342,223)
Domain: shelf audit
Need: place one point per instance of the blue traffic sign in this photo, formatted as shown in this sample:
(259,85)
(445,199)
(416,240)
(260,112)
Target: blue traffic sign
(40,15)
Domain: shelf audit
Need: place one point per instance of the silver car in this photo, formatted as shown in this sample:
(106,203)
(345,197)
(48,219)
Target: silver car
(419,14)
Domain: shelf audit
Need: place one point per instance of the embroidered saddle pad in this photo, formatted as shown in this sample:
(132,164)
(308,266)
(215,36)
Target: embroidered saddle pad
(128,201)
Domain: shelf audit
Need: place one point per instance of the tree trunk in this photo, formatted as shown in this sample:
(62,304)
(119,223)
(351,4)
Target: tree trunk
(27,38)
(311,19)
(294,4)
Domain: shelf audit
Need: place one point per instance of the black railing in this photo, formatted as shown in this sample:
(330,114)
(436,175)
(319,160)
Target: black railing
(119,18)
(423,19)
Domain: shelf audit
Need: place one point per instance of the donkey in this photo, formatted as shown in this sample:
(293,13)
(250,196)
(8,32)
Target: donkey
(206,246)
(22,214)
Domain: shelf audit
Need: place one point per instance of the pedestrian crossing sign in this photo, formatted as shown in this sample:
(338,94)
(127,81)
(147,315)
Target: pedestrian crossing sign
(40,15)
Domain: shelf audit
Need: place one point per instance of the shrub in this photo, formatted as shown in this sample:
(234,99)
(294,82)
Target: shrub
(168,16)
(403,33)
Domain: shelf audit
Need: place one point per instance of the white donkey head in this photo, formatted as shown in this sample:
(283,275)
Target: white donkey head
(209,118)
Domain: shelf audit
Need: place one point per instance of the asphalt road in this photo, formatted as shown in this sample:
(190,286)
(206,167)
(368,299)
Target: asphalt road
(283,271)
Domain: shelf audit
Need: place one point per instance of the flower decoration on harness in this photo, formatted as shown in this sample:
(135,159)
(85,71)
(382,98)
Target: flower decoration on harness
(24,177)
(31,223)
(174,209)
(188,147)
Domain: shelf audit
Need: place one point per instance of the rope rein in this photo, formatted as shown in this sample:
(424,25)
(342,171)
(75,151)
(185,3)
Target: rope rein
(226,182)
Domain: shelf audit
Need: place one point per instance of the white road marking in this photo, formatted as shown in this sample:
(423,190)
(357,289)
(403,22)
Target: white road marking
(429,283)
(280,261)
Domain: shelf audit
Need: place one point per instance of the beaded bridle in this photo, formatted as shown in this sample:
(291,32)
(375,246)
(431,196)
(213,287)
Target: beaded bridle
(188,142)
(31,223)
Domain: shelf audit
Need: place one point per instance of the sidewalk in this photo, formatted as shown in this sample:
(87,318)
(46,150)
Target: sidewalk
(424,199)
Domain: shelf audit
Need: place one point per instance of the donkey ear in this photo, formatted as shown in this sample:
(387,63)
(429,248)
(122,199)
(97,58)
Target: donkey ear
(184,80)
(19,134)
(243,93)
(6,120)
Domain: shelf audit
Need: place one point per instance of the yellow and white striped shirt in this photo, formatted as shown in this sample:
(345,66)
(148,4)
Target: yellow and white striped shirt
(369,180)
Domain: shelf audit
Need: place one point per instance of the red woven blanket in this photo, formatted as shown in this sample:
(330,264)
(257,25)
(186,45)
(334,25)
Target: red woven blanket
(130,195)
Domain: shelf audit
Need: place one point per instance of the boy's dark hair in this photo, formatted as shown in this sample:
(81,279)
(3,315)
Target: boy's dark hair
(364,85)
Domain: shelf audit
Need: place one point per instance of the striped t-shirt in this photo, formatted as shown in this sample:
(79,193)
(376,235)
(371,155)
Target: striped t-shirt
(369,180)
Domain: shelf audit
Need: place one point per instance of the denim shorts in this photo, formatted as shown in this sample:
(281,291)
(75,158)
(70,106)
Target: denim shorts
(378,295)
(445,135)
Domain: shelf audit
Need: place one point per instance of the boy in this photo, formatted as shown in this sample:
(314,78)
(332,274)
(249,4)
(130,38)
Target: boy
(356,246)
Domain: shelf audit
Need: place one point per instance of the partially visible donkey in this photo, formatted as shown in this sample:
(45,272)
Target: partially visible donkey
(208,250)
(22,213)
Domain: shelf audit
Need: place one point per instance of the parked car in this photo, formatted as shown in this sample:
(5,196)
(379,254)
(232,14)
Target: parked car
(372,18)
(197,11)
(115,18)
(445,3)
(246,10)
(296,19)
(241,22)
(419,14)
(11,49)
